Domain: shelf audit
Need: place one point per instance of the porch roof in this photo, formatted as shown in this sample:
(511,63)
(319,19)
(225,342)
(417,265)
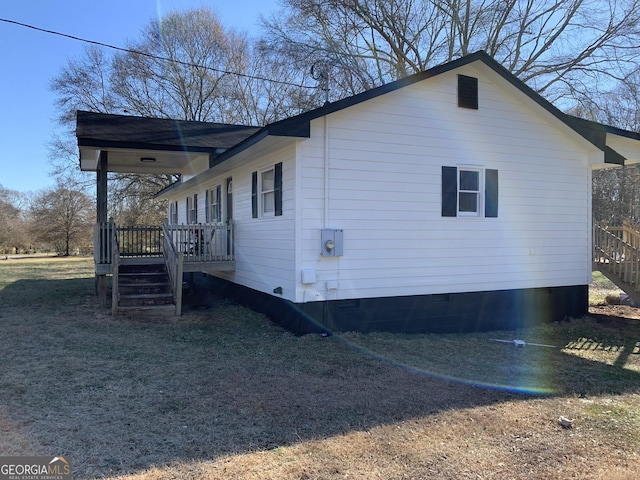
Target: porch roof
(172,144)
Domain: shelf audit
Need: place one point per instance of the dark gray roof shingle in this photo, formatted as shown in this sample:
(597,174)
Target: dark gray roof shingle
(102,130)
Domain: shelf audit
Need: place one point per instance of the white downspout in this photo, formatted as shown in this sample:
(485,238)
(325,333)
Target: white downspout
(326,171)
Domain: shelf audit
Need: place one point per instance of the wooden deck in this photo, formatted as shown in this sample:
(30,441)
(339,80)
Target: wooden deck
(205,248)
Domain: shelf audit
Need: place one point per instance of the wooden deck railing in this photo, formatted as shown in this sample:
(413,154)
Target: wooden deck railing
(617,250)
(102,235)
(200,242)
(203,242)
(140,241)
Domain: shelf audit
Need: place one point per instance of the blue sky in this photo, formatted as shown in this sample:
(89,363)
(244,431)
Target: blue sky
(30,59)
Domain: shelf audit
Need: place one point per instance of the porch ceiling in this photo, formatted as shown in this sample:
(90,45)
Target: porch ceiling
(130,160)
(625,145)
(168,145)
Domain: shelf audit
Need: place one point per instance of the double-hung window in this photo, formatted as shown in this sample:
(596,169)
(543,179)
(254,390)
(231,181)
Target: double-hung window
(192,209)
(266,192)
(173,213)
(469,198)
(214,205)
(469,192)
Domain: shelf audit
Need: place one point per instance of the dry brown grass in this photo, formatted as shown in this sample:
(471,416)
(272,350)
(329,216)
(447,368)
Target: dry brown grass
(223,394)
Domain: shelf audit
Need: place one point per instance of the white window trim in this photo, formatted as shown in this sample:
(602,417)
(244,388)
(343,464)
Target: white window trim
(214,207)
(192,215)
(262,193)
(480,192)
(173,213)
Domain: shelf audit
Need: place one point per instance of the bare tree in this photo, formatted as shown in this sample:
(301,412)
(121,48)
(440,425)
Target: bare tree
(185,66)
(255,101)
(180,67)
(62,218)
(84,84)
(13,234)
(616,191)
(559,47)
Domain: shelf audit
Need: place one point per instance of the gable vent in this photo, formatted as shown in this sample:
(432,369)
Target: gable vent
(467,92)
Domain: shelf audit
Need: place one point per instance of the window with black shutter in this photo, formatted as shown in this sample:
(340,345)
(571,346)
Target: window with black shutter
(463,194)
(266,192)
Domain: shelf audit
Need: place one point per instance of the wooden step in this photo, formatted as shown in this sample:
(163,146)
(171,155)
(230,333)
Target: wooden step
(145,299)
(147,311)
(143,277)
(144,287)
(144,290)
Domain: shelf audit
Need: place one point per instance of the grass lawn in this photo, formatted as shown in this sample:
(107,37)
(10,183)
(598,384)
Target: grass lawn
(221,393)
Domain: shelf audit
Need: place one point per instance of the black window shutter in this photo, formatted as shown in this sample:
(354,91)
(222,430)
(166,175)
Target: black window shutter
(449,191)
(277,188)
(207,214)
(491,193)
(254,194)
(218,204)
(195,207)
(187,209)
(467,92)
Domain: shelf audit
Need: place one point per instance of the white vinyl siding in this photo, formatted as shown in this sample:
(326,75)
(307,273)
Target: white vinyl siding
(265,246)
(385,159)
(384,164)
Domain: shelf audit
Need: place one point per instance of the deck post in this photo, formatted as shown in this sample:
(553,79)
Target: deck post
(101,289)
(101,218)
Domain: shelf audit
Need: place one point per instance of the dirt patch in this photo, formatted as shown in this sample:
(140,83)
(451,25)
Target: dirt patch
(615,313)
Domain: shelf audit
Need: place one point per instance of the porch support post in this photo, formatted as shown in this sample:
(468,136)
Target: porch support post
(101,200)
(101,217)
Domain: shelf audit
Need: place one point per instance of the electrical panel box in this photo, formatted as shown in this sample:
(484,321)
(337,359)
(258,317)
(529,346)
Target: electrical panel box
(331,242)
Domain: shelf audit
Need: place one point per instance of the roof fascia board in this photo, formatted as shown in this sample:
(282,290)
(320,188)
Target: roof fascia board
(625,146)
(108,144)
(228,164)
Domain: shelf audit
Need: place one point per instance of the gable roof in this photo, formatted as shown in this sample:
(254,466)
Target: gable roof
(119,131)
(299,125)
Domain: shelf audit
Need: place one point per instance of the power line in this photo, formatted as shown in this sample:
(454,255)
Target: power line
(150,55)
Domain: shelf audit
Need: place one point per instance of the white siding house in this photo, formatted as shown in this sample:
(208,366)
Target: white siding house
(455,199)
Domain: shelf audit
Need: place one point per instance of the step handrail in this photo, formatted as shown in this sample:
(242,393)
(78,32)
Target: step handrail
(613,252)
(174,260)
(115,269)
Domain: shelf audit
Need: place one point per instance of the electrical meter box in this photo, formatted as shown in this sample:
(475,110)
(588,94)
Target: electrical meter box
(331,242)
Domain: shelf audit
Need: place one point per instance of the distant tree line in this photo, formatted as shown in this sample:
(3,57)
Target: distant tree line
(580,55)
(58,219)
